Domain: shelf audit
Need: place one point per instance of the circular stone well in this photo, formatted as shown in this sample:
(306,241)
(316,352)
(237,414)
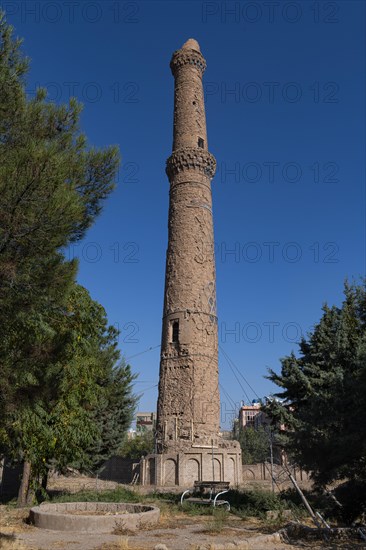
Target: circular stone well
(94,517)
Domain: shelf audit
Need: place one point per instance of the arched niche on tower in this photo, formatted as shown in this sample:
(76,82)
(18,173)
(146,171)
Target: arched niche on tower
(170,472)
(193,470)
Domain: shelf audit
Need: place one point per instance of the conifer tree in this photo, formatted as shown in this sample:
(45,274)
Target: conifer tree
(52,186)
(324,393)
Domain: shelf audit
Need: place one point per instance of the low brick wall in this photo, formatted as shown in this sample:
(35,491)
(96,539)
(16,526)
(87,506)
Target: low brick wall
(118,468)
(77,483)
(259,475)
(115,471)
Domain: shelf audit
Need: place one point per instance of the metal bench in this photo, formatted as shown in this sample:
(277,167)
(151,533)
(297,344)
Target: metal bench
(207,493)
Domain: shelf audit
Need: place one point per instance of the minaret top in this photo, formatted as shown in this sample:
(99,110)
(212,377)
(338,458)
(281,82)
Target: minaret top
(191,44)
(189,54)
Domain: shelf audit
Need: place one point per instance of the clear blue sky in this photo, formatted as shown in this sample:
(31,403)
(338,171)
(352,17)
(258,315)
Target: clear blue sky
(285,91)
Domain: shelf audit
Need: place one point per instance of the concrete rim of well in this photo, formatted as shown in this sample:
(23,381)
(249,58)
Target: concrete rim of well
(112,517)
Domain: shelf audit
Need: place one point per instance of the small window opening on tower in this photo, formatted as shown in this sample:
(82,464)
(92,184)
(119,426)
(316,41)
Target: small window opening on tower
(175,331)
(201,143)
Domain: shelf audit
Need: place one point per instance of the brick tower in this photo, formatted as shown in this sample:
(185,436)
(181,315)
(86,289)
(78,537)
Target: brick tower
(188,418)
(188,405)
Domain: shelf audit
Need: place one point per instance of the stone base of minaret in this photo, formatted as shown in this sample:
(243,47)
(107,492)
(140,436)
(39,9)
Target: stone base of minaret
(185,464)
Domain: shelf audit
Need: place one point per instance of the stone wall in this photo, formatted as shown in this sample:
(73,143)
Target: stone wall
(182,469)
(117,470)
(259,475)
(77,483)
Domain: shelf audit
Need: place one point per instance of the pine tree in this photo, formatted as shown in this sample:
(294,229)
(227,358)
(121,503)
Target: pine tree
(52,186)
(324,394)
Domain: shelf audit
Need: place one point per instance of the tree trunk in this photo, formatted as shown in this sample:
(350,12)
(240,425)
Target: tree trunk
(45,481)
(30,497)
(24,486)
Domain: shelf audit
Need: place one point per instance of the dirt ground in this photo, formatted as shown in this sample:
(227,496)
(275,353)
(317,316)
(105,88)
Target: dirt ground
(176,531)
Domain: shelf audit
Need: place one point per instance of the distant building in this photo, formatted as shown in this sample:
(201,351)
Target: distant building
(251,416)
(145,422)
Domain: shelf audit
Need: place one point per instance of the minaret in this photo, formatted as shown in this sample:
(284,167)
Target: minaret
(189,404)
(188,443)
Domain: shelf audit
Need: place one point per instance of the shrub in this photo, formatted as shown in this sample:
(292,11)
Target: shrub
(254,502)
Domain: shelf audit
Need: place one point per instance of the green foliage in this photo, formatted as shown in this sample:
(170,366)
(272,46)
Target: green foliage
(254,445)
(255,502)
(324,393)
(51,188)
(112,415)
(138,446)
(66,421)
(115,495)
(63,397)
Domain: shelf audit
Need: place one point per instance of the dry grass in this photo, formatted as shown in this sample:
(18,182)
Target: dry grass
(9,542)
(123,544)
(12,522)
(217,522)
